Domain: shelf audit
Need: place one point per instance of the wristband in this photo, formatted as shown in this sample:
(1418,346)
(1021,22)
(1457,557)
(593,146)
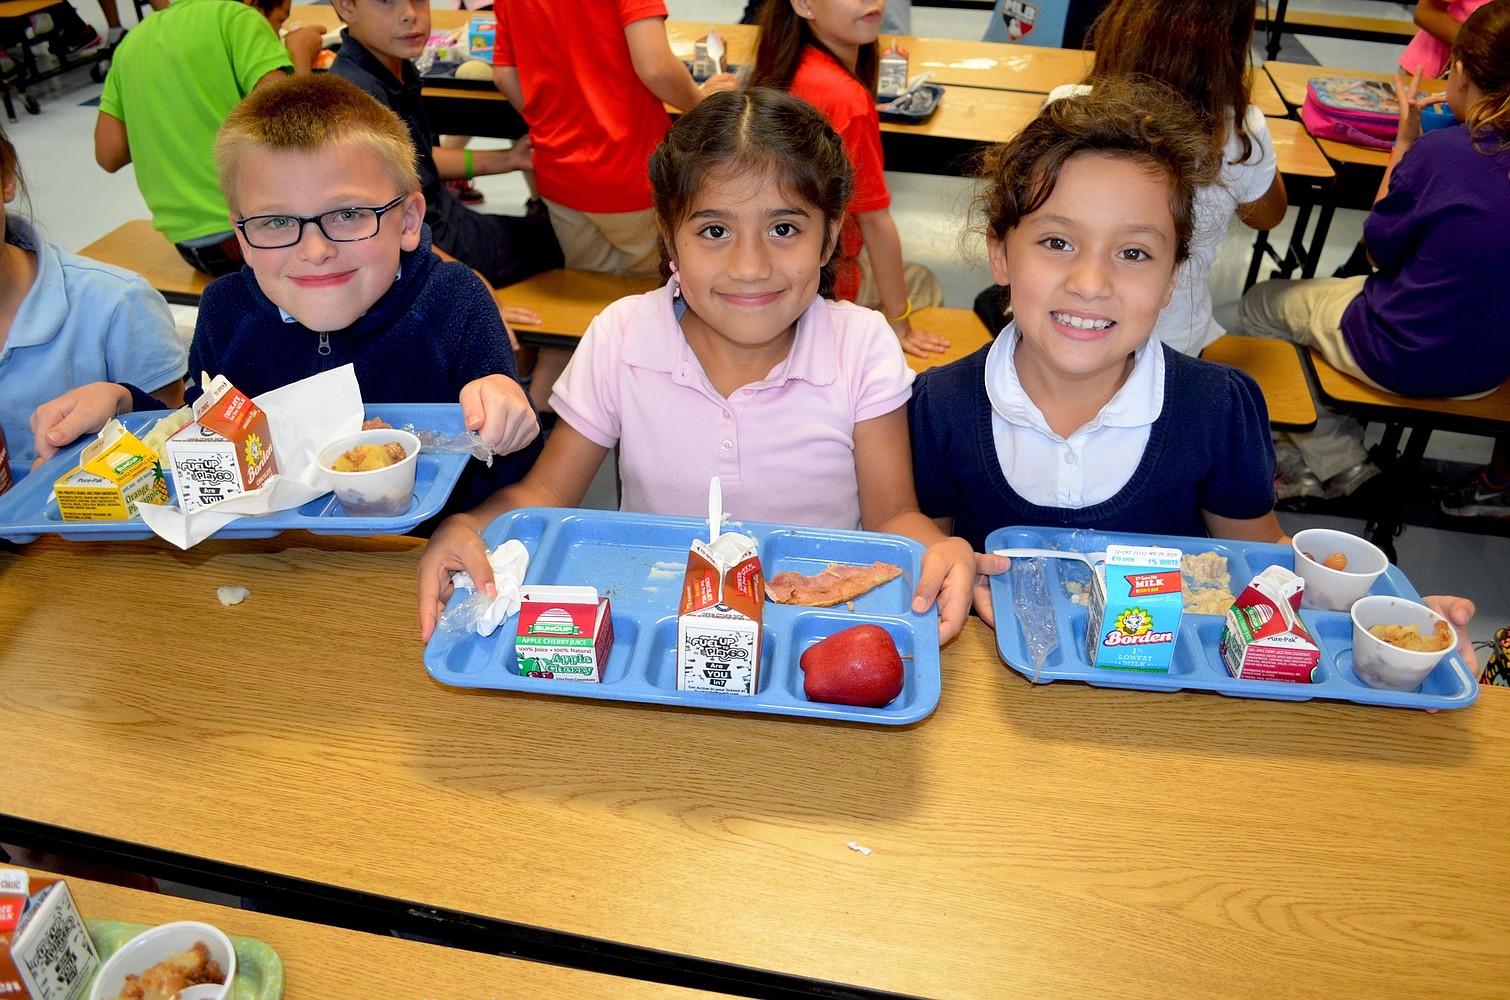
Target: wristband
(905,314)
(467,154)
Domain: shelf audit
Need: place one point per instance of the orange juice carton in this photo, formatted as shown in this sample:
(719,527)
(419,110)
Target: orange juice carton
(564,632)
(723,606)
(893,79)
(482,29)
(45,950)
(1135,609)
(1264,638)
(226,451)
(708,56)
(116,471)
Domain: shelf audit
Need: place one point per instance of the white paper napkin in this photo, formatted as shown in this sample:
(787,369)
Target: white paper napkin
(509,561)
(302,417)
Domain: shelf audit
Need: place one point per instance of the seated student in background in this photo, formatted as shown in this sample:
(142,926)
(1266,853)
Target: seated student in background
(66,320)
(172,81)
(1430,321)
(339,271)
(825,52)
(378,46)
(1075,417)
(740,367)
(1440,21)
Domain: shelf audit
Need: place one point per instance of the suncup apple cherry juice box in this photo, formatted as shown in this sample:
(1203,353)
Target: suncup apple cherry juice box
(564,632)
(116,471)
(1263,638)
(1135,609)
(723,606)
(45,949)
(226,451)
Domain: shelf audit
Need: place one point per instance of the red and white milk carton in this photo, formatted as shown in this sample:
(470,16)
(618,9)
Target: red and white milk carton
(226,451)
(564,632)
(723,606)
(1264,638)
(45,949)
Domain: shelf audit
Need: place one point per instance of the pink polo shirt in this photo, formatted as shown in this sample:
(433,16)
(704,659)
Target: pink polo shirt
(783,447)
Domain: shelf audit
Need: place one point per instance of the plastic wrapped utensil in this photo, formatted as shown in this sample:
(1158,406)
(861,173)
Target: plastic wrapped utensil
(1035,609)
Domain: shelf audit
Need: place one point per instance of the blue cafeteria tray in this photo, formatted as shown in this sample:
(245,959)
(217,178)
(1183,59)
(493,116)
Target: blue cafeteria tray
(28,510)
(923,105)
(1197,659)
(638,560)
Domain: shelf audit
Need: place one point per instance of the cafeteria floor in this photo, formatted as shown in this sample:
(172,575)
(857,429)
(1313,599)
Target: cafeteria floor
(76,202)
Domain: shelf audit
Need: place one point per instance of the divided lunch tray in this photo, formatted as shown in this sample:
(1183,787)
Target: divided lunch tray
(29,509)
(1197,660)
(259,970)
(638,561)
(924,102)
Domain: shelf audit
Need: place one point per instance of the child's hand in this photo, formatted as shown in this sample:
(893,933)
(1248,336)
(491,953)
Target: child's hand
(456,545)
(948,574)
(518,314)
(718,82)
(306,40)
(1459,611)
(986,566)
(919,343)
(1409,129)
(86,410)
(497,408)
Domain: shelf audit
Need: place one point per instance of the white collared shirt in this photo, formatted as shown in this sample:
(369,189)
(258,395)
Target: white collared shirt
(1092,464)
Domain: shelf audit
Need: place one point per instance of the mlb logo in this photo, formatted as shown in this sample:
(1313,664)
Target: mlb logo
(1019,17)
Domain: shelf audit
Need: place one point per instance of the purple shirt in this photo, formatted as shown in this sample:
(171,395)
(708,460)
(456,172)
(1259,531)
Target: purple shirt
(1431,322)
(783,447)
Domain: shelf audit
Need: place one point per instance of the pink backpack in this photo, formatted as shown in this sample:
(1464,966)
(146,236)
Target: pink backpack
(1350,109)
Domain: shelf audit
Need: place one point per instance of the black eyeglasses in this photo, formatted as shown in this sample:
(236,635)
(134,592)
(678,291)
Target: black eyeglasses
(344,225)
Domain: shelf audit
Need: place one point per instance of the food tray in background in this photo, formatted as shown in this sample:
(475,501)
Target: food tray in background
(444,72)
(1197,658)
(638,561)
(259,970)
(924,102)
(29,510)
(700,80)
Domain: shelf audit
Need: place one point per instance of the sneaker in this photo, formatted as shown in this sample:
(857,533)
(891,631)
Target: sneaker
(1478,498)
(83,41)
(1297,482)
(1347,482)
(467,192)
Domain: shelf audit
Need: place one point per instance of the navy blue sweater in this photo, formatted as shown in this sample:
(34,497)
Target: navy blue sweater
(1208,450)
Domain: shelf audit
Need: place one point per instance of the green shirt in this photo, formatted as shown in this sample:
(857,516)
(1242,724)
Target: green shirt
(173,80)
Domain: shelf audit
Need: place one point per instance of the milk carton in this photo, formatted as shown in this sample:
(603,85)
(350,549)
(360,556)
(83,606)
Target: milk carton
(482,28)
(1135,609)
(116,471)
(45,950)
(893,80)
(708,56)
(226,451)
(1263,638)
(723,605)
(564,632)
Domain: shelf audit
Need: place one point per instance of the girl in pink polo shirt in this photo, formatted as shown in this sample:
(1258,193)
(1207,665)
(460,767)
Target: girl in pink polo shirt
(740,366)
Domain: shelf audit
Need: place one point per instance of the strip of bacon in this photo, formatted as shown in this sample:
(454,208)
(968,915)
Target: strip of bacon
(835,585)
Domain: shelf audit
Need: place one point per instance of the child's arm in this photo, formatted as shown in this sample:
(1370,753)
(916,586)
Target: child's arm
(662,73)
(885,248)
(1268,211)
(111,148)
(1431,16)
(304,44)
(452,164)
(497,408)
(1254,529)
(560,478)
(59,422)
(888,502)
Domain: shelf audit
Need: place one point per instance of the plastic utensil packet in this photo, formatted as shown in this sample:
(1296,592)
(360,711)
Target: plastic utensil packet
(1035,609)
(465,443)
(480,612)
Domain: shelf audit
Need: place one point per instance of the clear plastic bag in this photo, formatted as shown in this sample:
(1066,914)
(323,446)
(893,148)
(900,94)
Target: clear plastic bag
(467,443)
(1035,609)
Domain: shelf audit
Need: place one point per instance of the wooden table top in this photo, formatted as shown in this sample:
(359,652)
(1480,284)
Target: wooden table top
(1065,840)
(1275,366)
(323,961)
(136,246)
(1290,80)
(566,301)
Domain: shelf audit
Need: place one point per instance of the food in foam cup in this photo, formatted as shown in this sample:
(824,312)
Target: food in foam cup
(1381,664)
(168,954)
(1318,554)
(384,492)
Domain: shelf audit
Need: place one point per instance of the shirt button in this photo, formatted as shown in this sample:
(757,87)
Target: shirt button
(726,414)
(749,392)
(1069,458)
(728,446)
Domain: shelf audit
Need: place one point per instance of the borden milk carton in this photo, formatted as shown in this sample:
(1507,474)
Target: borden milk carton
(564,632)
(45,950)
(1135,609)
(226,451)
(116,471)
(1263,638)
(723,605)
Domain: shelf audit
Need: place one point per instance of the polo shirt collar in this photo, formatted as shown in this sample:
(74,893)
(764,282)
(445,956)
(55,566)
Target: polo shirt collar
(1137,404)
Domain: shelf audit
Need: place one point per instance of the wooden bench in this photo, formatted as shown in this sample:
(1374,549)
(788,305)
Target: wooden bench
(567,300)
(1488,416)
(1396,31)
(964,330)
(1276,366)
(136,246)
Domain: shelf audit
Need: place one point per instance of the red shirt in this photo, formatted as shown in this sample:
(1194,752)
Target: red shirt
(849,108)
(593,122)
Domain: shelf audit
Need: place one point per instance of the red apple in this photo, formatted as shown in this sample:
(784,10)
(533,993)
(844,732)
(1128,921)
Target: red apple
(857,666)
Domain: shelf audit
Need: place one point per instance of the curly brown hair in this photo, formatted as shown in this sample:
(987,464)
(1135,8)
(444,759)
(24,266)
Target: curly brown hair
(1483,47)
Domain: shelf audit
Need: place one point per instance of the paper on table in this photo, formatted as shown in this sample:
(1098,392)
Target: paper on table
(302,417)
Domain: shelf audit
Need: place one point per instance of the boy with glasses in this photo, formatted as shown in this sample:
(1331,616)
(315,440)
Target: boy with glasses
(325,203)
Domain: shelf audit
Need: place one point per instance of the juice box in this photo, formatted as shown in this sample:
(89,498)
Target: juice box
(708,59)
(1263,638)
(116,471)
(1135,609)
(226,451)
(45,950)
(482,29)
(564,632)
(718,628)
(893,79)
